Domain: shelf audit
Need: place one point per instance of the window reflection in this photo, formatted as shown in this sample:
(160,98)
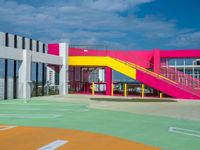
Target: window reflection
(2,74)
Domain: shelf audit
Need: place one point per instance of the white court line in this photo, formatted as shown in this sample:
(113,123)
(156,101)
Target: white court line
(185,131)
(31,109)
(43,104)
(30,116)
(6,127)
(101,105)
(53,145)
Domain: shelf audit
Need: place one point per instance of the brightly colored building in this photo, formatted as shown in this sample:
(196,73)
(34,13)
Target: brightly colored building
(31,68)
(174,73)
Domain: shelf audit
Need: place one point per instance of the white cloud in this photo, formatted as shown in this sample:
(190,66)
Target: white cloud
(191,39)
(89,21)
(113,5)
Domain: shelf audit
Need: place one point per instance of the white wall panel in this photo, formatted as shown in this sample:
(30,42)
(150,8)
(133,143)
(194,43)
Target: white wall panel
(1,88)
(27,43)
(10,40)
(2,39)
(40,47)
(10,88)
(19,42)
(34,45)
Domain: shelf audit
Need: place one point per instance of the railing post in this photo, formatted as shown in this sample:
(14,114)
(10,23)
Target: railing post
(161,95)
(142,90)
(92,88)
(125,89)
(112,90)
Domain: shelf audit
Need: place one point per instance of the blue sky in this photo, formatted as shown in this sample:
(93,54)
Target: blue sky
(120,24)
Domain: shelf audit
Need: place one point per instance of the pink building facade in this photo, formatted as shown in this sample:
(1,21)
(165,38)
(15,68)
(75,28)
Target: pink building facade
(180,66)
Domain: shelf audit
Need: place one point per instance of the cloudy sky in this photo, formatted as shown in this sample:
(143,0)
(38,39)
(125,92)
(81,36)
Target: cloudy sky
(119,24)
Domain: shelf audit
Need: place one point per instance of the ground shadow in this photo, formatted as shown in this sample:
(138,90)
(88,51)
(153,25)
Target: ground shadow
(132,100)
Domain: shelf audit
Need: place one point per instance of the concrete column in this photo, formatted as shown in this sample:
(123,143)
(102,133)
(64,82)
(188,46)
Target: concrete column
(63,74)
(25,76)
(108,81)
(157,60)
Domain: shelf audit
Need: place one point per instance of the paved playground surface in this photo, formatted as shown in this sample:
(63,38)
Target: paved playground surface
(82,122)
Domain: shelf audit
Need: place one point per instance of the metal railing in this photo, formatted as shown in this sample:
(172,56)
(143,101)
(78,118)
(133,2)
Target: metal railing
(127,58)
(181,77)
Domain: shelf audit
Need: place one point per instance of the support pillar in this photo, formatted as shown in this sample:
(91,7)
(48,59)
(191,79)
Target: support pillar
(125,89)
(156,66)
(93,88)
(63,74)
(142,90)
(112,92)
(108,81)
(25,76)
(161,95)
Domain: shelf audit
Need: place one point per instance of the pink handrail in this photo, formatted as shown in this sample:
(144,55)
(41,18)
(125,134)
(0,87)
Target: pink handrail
(181,77)
(128,58)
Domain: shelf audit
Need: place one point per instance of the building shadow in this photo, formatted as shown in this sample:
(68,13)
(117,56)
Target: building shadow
(132,100)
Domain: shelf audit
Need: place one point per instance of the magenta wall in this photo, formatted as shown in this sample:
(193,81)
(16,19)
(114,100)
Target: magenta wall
(180,53)
(108,81)
(53,49)
(142,58)
(164,86)
(156,61)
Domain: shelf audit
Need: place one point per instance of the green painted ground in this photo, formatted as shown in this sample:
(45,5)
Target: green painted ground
(151,130)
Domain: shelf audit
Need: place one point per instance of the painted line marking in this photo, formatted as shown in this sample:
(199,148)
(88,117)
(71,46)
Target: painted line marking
(184,131)
(43,104)
(30,109)
(3,128)
(101,105)
(54,145)
(30,116)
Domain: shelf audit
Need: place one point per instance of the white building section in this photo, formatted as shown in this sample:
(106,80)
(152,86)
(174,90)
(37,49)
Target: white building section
(26,52)
(51,73)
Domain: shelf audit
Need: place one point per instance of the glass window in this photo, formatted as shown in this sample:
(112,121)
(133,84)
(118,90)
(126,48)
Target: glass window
(2,74)
(18,66)
(40,79)
(163,62)
(2,66)
(10,68)
(189,61)
(171,62)
(180,69)
(188,71)
(33,78)
(33,72)
(180,62)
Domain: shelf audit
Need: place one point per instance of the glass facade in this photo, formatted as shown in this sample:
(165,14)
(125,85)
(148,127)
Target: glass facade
(188,66)
(9,73)
(2,74)
(38,77)
(9,69)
